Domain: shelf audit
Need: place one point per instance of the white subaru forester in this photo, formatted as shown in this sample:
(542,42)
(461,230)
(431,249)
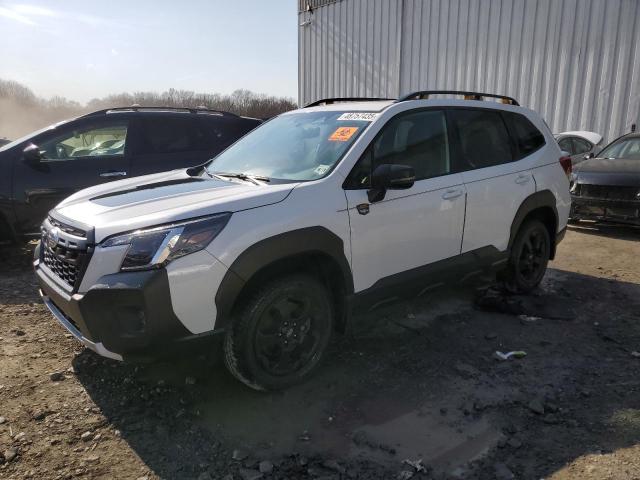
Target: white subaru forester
(321,211)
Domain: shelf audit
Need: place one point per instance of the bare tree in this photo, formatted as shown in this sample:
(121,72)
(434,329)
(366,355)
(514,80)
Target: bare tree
(21,111)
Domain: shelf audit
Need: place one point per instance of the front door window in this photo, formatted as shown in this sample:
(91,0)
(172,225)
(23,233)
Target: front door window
(94,141)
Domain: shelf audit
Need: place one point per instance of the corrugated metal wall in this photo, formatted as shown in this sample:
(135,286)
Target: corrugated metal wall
(577,62)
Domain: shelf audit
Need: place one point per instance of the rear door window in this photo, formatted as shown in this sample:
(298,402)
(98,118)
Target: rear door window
(527,137)
(167,134)
(483,138)
(220,132)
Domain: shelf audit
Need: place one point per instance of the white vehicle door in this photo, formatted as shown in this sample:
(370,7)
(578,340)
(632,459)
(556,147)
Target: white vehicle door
(408,228)
(496,182)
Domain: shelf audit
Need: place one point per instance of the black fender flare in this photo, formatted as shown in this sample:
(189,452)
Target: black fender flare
(288,245)
(543,198)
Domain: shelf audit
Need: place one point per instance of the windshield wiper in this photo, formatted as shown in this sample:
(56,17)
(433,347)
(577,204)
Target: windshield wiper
(241,176)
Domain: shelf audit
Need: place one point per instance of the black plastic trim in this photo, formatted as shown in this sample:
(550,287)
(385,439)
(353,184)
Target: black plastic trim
(414,282)
(331,101)
(289,245)
(543,198)
(129,313)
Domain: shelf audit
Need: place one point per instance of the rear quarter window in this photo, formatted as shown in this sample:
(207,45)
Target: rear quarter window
(527,137)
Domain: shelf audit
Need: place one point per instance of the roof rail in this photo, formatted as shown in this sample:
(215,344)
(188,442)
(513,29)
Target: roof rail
(138,108)
(329,101)
(424,94)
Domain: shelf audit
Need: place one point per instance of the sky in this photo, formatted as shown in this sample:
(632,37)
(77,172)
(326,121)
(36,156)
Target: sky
(82,49)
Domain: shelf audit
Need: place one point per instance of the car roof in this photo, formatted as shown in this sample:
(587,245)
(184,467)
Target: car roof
(380,105)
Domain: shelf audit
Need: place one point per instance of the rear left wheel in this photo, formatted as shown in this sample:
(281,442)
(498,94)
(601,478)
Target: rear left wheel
(529,257)
(281,334)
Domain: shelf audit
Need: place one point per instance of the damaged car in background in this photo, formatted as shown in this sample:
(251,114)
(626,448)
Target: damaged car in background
(607,187)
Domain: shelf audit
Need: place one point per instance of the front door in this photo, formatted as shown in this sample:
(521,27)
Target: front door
(410,228)
(75,156)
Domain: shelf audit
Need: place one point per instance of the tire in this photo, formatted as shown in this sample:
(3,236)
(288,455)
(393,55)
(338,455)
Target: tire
(528,258)
(280,335)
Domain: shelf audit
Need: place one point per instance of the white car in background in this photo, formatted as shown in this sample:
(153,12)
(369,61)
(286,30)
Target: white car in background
(579,144)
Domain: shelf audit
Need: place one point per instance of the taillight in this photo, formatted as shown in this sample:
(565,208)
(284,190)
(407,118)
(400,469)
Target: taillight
(565,162)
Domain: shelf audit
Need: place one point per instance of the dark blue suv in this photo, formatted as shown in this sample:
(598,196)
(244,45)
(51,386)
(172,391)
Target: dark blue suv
(43,168)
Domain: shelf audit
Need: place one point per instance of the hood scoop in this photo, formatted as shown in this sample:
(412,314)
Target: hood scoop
(150,191)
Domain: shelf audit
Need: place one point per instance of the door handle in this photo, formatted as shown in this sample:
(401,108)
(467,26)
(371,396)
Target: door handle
(113,174)
(522,179)
(451,194)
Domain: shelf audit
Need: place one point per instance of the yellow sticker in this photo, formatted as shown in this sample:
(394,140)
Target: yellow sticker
(343,134)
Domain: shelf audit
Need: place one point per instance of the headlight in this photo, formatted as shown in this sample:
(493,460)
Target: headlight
(155,247)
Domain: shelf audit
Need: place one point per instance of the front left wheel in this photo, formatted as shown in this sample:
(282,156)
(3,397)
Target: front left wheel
(280,335)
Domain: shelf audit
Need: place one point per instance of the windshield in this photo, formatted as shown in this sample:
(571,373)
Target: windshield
(298,146)
(626,148)
(32,134)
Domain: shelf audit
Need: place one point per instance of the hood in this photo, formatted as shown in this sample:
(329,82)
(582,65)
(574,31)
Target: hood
(602,171)
(162,198)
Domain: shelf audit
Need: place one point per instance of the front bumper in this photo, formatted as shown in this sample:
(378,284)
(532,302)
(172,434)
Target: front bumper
(603,210)
(124,316)
(98,347)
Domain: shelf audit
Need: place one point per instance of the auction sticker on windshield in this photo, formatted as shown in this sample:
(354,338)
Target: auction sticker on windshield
(343,134)
(362,116)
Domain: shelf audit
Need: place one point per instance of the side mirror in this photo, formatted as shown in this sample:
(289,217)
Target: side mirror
(390,177)
(589,155)
(32,154)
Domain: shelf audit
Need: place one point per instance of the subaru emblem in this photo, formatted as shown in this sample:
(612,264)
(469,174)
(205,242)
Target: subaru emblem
(53,237)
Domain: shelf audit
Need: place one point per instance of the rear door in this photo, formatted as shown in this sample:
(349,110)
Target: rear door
(496,179)
(76,155)
(409,228)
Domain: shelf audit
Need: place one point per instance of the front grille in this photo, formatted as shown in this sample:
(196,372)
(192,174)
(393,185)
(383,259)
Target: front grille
(64,262)
(608,192)
(65,251)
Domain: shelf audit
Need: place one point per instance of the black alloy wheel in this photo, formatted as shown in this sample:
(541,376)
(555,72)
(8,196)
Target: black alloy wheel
(280,336)
(529,257)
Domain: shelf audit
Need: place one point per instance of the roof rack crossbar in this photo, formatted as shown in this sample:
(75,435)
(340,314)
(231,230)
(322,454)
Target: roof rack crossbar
(138,108)
(424,94)
(329,101)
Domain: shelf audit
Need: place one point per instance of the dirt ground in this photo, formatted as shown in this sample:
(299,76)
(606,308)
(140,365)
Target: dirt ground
(416,392)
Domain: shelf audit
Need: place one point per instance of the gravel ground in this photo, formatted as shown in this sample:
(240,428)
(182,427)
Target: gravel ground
(416,392)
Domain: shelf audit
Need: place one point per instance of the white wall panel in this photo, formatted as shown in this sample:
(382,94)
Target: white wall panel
(577,62)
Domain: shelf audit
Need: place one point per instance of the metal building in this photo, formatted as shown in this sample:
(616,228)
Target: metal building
(577,62)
